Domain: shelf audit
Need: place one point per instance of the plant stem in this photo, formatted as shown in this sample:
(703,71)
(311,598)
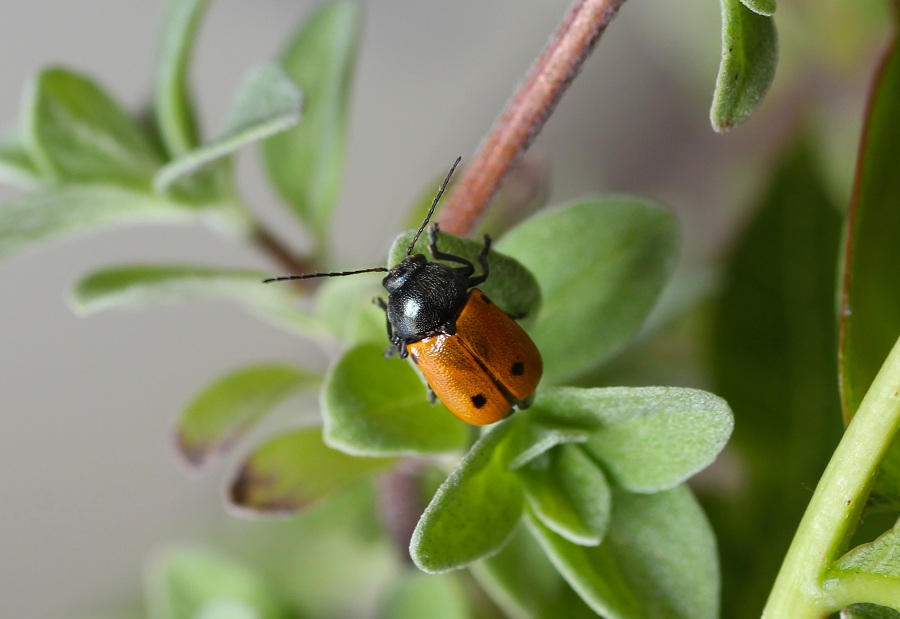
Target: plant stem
(834,509)
(275,249)
(526,113)
(400,504)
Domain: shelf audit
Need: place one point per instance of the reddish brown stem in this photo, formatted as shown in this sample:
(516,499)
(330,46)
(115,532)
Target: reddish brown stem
(282,256)
(400,504)
(526,113)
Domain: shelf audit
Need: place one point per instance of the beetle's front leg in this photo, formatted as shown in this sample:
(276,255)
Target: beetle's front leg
(396,347)
(383,305)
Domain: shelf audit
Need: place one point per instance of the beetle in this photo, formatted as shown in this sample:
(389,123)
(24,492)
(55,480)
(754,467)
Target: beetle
(476,358)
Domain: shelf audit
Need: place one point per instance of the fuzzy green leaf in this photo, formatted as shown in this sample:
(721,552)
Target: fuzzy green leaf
(870,320)
(473,513)
(141,286)
(190,583)
(16,167)
(657,561)
(648,438)
(266,103)
(530,438)
(53,212)
(76,132)
(510,285)
(749,57)
(428,595)
(871,571)
(172,101)
(225,410)
(568,493)
(291,471)
(306,162)
(377,406)
(523,582)
(601,265)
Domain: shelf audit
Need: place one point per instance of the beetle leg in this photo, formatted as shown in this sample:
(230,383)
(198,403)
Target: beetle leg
(432,398)
(467,267)
(483,261)
(396,348)
(381,303)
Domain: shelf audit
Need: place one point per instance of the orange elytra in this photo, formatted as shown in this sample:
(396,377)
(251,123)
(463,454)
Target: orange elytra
(477,360)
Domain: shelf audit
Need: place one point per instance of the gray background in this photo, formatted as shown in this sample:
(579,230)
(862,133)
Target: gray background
(89,484)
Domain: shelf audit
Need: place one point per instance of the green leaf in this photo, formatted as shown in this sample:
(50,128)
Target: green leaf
(648,438)
(761,7)
(523,582)
(74,131)
(568,493)
(473,513)
(306,162)
(53,212)
(190,583)
(16,167)
(289,472)
(773,358)
(529,438)
(266,103)
(870,572)
(510,285)
(172,101)
(869,320)
(224,411)
(141,286)
(749,57)
(377,406)
(657,561)
(428,595)
(601,265)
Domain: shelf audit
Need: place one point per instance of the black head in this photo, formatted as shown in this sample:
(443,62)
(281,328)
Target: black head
(402,273)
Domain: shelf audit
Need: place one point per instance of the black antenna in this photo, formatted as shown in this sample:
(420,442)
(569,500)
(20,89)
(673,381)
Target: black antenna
(313,275)
(437,199)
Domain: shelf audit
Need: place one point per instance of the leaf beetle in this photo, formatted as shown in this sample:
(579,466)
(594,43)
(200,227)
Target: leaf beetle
(476,358)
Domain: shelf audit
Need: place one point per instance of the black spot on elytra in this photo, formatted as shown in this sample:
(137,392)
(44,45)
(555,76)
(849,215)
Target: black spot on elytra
(485,299)
(479,400)
(518,368)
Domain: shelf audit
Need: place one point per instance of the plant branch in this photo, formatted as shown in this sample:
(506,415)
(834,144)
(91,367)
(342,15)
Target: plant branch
(527,112)
(276,250)
(400,504)
(837,502)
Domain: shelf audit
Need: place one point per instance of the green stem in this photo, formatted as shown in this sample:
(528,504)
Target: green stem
(833,512)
